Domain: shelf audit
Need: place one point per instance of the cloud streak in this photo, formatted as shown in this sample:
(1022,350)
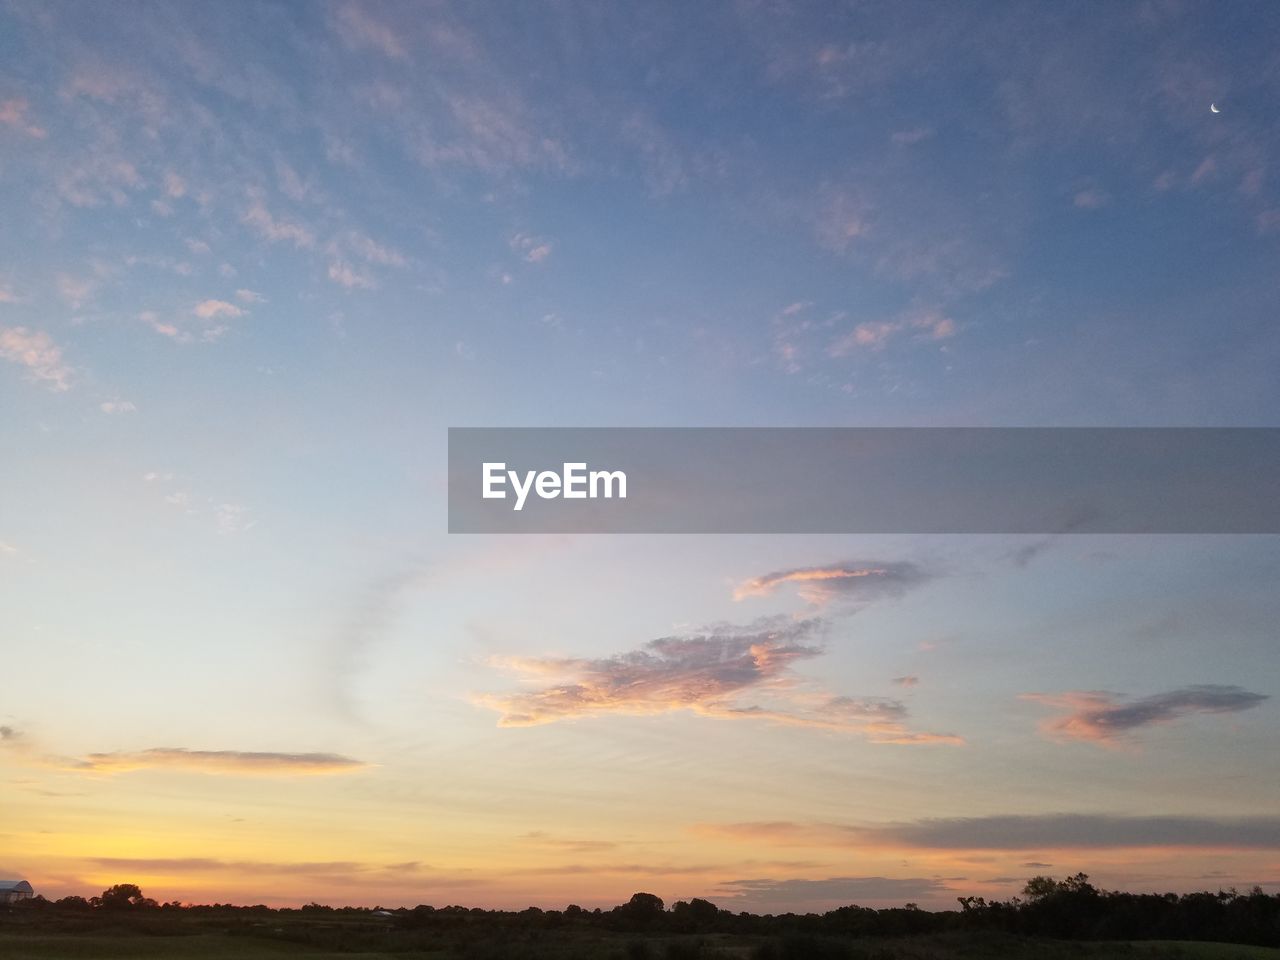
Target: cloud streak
(852,580)
(218,761)
(1107,718)
(1053,831)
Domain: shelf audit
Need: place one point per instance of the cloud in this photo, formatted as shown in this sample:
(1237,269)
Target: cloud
(841,221)
(346,276)
(369,249)
(1207,168)
(358,30)
(799,895)
(907,681)
(36,351)
(151,319)
(218,761)
(1268,220)
(532,249)
(853,580)
(1062,830)
(1102,717)
(1090,199)
(922,325)
(75,290)
(707,674)
(372,617)
(232,518)
(249,296)
(212,309)
(13,113)
(1023,555)
(914,135)
(1053,831)
(334,872)
(261,220)
(543,839)
(699,672)
(117,406)
(169,865)
(174,186)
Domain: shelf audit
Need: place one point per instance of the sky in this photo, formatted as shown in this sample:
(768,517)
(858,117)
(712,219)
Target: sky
(256,258)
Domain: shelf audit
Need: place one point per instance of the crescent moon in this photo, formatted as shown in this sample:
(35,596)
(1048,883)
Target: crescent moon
(1213,108)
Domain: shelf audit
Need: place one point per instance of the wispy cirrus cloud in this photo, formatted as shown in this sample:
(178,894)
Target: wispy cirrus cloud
(345,275)
(1107,718)
(13,113)
(277,230)
(200,865)
(853,580)
(35,351)
(709,674)
(543,839)
(217,761)
(919,325)
(363,246)
(1086,831)
(359,29)
(532,249)
(1090,198)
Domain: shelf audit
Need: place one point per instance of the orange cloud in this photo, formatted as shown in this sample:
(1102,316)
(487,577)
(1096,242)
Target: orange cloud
(708,675)
(218,761)
(855,580)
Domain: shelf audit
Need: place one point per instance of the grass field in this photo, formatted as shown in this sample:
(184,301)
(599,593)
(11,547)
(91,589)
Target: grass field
(210,946)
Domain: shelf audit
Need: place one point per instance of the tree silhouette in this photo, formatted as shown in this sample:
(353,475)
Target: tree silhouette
(123,896)
(641,912)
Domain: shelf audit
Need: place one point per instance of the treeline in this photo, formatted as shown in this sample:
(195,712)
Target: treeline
(1074,909)
(1070,909)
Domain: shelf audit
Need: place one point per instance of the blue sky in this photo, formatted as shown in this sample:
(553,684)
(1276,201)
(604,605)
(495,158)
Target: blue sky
(256,258)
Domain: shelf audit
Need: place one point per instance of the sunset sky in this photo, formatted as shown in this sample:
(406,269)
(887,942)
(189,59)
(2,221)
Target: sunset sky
(256,258)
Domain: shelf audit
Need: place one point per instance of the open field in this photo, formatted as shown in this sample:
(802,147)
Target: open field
(29,945)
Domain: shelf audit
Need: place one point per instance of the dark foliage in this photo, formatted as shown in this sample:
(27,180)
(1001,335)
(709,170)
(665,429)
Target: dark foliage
(642,928)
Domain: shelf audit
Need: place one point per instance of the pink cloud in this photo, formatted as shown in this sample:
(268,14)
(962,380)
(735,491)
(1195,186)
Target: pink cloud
(212,309)
(36,351)
(926,324)
(1108,718)
(261,219)
(13,113)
